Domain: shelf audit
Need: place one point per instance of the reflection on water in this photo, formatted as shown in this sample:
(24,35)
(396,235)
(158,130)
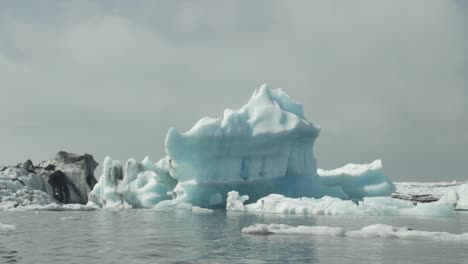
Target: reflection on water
(143,236)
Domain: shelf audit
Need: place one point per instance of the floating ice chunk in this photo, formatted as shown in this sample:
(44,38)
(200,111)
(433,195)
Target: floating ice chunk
(281,229)
(462,195)
(170,205)
(425,192)
(135,187)
(280,204)
(7,227)
(60,207)
(200,210)
(359,181)
(454,192)
(235,202)
(372,231)
(387,231)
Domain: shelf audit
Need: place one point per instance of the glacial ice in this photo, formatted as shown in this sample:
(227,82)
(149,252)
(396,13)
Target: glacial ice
(264,147)
(372,231)
(7,227)
(20,188)
(67,178)
(279,204)
(359,181)
(135,186)
(282,229)
(462,197)
(264,151)
(453,192)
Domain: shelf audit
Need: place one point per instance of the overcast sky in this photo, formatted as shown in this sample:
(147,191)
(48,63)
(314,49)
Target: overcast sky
(383,79)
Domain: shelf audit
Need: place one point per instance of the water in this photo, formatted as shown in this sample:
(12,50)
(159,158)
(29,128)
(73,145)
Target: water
(143,236)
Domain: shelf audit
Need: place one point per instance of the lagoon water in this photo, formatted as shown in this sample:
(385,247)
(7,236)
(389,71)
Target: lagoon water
(145,236)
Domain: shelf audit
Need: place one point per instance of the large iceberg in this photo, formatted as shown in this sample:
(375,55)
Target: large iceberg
(263,148)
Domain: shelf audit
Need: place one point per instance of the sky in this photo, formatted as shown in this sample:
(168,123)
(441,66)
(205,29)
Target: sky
(383,79)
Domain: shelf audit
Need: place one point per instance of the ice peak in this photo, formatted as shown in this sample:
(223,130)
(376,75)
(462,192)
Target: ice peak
(264,91)
(265,96)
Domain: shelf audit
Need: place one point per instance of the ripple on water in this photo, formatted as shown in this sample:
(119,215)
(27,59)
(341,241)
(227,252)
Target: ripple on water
(170,237)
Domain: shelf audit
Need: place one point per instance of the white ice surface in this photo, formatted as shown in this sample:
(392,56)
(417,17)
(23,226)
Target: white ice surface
(359,181)
(462,197)
(181,206)
(454,192)
(372,231)
(264,147)
(280,204)
(134,186)
(7,227)
(19,188)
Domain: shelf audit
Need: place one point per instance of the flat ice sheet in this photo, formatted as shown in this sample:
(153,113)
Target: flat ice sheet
(279,204)
(372,231)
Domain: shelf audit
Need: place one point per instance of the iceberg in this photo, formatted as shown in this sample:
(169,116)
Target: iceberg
(372,231)
(263,148)
(68,178)
(134,186)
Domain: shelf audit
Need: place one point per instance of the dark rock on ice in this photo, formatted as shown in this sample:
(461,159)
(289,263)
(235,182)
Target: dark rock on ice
(68,178)
(59,182)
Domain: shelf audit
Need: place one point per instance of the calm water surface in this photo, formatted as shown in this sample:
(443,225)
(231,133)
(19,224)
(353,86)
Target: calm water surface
(143,236)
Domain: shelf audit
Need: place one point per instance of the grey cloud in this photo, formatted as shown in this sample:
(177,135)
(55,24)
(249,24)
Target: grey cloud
(383,79)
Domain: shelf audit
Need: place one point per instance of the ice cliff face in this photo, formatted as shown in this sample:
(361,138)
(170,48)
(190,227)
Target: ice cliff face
(267,138)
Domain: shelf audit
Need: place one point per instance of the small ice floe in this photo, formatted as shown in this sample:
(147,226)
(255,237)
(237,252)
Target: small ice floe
(279,204)
(372,231)
(7,227)
(200,210)
(174,205)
